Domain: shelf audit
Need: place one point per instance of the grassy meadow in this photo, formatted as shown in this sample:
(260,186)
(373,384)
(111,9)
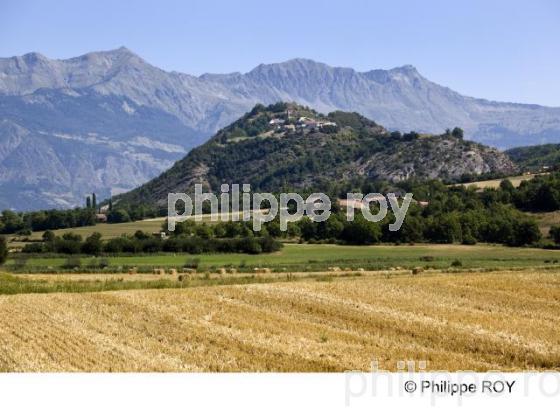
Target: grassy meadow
(495,183)
(307,257)
(107,230)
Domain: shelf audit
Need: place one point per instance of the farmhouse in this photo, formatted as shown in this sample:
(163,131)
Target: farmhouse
(309,123)
(101,217)
(327,124)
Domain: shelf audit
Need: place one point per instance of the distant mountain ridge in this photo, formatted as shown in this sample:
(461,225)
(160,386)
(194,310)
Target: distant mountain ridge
(108,121)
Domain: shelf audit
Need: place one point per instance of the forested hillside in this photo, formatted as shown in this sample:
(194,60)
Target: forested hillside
(290,146)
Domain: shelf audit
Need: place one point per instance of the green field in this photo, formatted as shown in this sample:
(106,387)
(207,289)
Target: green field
(107,230)
(304,257)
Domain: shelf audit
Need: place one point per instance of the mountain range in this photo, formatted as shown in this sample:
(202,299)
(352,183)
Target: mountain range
(106,122)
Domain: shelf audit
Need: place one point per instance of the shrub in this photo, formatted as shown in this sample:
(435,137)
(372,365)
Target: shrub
(172,245)
(192,263)
(468,240)
(251,246)
(48,236)
(151,245)
(3,250)
(72,263)
(33,248)
(456,263)
(555,233)
(268,244)
(118,216)
(69,243)
(99,263)
(93,245)
(103,263)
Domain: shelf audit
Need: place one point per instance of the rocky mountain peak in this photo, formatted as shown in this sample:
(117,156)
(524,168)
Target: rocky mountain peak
(121,55)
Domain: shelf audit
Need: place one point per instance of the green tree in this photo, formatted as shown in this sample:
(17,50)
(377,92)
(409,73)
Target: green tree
(48,236)
(555,233)
(506,185)
(3,250)
(118,216)
(331,228)
(11,221)
(92,244)
(140,235)
(308,228)
(361,232)
(546,199)
(444,229)
(412,230)
(526,232)
(457,132)
(203,231)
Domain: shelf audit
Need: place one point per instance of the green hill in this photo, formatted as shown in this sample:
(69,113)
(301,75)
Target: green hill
(536,157)
(289,146)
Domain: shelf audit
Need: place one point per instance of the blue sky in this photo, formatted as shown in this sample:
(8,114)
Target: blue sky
(502,50)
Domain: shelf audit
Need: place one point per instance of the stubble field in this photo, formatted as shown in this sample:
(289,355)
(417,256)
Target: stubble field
(506,320)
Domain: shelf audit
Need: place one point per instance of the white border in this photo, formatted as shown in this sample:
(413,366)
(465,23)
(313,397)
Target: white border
(263,391)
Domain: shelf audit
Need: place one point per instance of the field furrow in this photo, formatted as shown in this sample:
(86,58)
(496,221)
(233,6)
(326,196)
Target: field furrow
(475,321)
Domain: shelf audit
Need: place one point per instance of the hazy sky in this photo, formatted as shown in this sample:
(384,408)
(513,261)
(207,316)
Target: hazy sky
(502,50)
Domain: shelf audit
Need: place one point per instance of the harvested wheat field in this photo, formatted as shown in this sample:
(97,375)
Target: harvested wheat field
(474,321)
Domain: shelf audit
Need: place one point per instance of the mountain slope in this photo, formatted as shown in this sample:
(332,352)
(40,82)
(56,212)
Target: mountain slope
(95,114)
(536,157)
(305,149)
(70,146)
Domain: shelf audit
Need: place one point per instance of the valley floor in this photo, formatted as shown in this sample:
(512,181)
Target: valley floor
(506,320)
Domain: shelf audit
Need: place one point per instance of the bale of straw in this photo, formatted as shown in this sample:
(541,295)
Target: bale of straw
(417,270)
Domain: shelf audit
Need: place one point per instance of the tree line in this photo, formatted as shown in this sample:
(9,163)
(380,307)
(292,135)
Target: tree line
(440,214)
(25,222)
(203,239)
